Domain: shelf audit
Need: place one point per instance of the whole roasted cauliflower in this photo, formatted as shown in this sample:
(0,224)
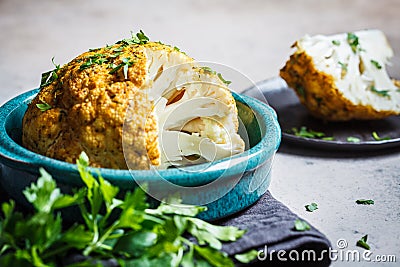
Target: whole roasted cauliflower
(343,77)
(133,104)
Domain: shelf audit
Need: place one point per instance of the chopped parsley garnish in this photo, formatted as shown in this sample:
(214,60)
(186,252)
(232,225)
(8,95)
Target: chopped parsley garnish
(343,66)
(139,38)
(378,138)
(363,242)
(208,70)
(365,202)
(211,71)
(50,76)
(336,42)
(93,59)
(300,225)
(383,93)
(376,64)
(353,139)
(308,133)
(43,106)
(352,39)
(126,63)
(223,80)
(246,257)
(311,207)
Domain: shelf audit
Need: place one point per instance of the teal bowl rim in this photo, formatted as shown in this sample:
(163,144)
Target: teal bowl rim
(16,156)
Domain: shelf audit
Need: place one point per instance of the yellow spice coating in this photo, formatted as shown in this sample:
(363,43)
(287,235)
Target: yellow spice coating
(88,107)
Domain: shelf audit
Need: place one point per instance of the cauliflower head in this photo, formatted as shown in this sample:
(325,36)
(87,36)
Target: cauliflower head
(134,104)
(343,77)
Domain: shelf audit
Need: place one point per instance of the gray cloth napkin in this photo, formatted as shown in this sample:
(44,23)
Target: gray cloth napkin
(270,227)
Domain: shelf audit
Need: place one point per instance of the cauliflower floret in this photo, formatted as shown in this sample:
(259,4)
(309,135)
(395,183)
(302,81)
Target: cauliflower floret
(133,105)
(343,76)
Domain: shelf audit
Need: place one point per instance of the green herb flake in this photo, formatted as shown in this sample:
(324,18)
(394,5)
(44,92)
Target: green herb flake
(138,39)
(223,80)
(247,257)
(300,225)
(97,59)
(336,42)
(343,66)
(308,133)
(378,138)
(353,139)
(126,63)
(311,207)
(363,242)
(383,93)
(376,64)
(208,70)
(43,106)
(365,202)
(328,138)
(49,76)
(352,40)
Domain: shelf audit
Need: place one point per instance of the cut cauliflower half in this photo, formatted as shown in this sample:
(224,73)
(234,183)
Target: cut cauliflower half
(343,76)
(134,104)
(197,116)
(195,112)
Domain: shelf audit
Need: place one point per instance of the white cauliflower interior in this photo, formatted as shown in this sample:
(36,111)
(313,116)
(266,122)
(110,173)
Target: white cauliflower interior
(357,62)
(196,113)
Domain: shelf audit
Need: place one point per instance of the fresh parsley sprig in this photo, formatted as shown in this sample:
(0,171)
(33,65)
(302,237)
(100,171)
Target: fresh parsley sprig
(50,76)
(139,38)
(123,229)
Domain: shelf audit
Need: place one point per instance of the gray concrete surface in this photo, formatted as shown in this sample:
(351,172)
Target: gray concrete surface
(253,37)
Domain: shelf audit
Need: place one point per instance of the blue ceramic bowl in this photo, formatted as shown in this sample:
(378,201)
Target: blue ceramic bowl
(225,186)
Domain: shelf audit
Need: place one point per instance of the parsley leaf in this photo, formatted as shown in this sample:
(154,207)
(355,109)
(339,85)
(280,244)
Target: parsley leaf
(376,64)
(311,207)
(352,40)
(110,228)
(208,70)
(365,202)
(383,93)
(43,106)
(300,225)
(126,63)
(139,38)
(343,66)
(336,42)
(353,139)
(363,242)
(308,133)
(50,76)
(247,257)
(378,138)
(93,59)
(223,80)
